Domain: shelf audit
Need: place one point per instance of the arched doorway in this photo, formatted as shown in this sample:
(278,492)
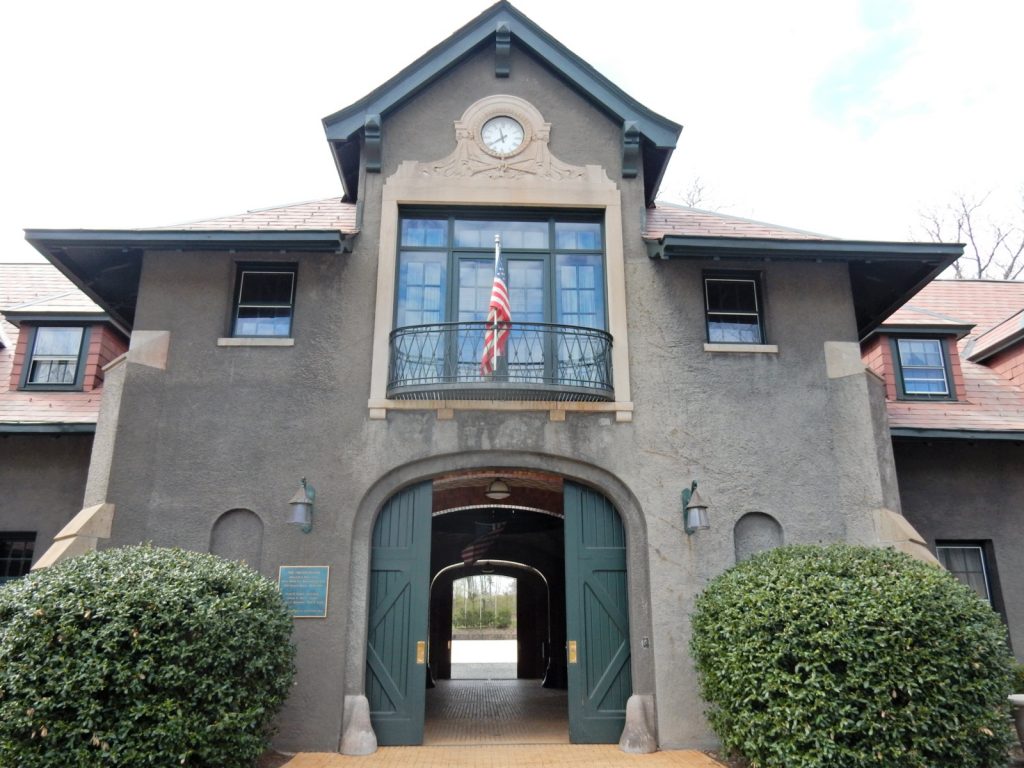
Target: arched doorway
(568,532)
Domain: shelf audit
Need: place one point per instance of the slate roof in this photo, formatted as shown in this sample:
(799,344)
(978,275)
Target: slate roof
(990,402)
(314,215)
(672,219)
(335,214)
(39,287)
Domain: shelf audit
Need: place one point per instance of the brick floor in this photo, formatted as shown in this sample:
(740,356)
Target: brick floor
(525,756)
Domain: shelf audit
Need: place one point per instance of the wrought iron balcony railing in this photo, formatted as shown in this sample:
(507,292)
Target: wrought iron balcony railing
(542,361)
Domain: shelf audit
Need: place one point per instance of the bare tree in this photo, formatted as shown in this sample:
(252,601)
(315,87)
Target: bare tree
(993,249)
(696,194)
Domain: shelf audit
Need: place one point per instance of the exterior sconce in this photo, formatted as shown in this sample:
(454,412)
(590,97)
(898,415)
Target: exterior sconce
(498,490)
(302,507)
(695,510)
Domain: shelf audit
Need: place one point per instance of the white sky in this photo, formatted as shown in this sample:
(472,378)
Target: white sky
(841,117)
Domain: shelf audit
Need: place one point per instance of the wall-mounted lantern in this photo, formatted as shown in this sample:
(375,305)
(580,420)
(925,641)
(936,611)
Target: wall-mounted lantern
(695,510)
(302,507)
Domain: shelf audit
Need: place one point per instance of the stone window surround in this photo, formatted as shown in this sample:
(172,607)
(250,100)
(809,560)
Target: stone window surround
(411,186)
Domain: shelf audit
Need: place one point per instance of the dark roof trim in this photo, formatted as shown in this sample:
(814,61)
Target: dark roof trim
(344,126)
(46,429)
(802,249)
(991,351)
(958,330)
(305,240)
(16,318)
(958,434)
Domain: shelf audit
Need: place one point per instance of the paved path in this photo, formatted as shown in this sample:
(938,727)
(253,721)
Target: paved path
(523,756)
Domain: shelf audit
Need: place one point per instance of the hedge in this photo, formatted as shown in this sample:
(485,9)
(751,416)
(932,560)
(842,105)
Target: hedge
(815,657)
(141,656)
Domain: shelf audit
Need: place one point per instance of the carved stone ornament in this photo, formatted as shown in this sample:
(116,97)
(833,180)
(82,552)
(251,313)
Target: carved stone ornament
(472,158)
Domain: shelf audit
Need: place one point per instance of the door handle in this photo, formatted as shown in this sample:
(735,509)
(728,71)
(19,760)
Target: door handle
(572,651)
(421,651)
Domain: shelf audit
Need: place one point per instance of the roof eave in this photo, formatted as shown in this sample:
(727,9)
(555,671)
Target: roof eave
(993,350)
(47,428)
(912,329)
(331,240)
(957,434)
(796,249)
(909,266)
(16,318)
(109,270)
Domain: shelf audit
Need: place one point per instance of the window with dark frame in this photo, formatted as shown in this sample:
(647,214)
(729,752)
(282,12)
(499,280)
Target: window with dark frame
(923,368)
(555,265)
(54,357)
(732,307)
(968,563)
(264,300)
(16,554)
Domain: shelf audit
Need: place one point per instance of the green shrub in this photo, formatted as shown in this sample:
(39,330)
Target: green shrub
(815,657)
(141,657)
(1018,678)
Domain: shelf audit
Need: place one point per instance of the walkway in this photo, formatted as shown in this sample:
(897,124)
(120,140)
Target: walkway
(524,756)
(477,712)
(497,724)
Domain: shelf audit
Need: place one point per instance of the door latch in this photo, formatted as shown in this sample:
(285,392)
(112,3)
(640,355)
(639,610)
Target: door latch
(572,651)
(421,651)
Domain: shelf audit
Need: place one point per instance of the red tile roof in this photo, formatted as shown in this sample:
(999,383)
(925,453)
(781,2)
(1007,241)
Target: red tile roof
(40,286)
(672,219)
(990,402)
(332,213)
(317,215)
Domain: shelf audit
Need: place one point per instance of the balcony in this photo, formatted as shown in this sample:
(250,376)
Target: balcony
(542,361)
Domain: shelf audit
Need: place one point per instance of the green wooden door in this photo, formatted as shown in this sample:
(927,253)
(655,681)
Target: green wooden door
(597,617)
(397,630)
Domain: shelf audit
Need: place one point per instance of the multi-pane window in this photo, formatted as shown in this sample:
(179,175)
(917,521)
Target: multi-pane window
(923,370)
(555,269)
(732,305)
(264,300)
(967,563)
(555,279)
(15,554)
(55,357)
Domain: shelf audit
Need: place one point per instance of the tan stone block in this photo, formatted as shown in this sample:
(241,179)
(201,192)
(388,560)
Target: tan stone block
(92,521)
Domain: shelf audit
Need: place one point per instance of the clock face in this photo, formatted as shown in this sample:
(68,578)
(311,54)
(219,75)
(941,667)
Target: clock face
(502,135)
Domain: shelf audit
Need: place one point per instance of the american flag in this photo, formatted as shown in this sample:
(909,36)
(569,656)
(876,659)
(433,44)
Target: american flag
(499,315)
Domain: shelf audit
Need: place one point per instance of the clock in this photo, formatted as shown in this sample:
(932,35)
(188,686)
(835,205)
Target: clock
(502,135)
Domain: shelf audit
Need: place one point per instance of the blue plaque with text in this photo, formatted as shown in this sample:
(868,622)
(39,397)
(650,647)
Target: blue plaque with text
(304,588)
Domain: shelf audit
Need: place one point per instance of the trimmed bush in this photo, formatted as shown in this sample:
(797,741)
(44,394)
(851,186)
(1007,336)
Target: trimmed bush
(141,656)
(819,657)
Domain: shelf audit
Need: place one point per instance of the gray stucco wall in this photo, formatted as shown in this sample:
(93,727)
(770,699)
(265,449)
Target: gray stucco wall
(226,428)
(960,490)
(42,478)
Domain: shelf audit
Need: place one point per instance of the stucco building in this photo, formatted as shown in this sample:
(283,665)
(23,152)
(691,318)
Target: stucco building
(340,341)
(953,364)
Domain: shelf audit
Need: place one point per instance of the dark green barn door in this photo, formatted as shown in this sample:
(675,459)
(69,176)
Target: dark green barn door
(397,630)
(597,617)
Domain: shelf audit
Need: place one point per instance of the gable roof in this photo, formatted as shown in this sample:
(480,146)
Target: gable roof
(991,406)
(39,287)
(658,135)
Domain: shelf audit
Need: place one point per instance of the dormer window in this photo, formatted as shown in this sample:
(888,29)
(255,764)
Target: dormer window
(923,369)
(54,359)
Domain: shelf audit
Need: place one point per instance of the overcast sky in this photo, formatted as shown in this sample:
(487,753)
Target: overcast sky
(836,116)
